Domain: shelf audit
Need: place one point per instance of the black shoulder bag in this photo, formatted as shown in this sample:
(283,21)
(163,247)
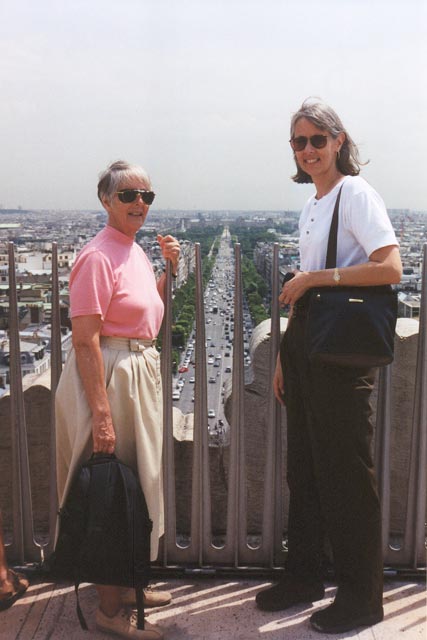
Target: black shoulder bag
(350,326)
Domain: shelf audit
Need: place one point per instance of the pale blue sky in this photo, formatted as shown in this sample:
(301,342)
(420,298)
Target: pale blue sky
(201,93)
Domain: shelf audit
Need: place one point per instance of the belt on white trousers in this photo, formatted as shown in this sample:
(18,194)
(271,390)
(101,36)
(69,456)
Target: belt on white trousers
(127,344)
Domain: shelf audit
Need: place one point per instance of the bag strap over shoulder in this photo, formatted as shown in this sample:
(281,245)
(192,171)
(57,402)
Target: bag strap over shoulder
(331,254)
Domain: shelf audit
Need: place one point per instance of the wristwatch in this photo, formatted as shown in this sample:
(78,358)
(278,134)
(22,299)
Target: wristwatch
(336,276)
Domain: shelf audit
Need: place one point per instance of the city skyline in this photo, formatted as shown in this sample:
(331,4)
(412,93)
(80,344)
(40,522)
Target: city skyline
(201,94)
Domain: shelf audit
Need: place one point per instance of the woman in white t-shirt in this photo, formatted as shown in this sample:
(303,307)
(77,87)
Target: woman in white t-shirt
(329,464)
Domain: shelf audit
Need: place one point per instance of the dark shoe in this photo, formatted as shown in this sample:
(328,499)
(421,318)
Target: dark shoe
(337,619)
(289,592)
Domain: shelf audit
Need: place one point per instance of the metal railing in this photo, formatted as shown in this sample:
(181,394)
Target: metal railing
(235,551)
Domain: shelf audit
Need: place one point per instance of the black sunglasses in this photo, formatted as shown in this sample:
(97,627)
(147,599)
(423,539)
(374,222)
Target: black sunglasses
(130,195)
(317,141)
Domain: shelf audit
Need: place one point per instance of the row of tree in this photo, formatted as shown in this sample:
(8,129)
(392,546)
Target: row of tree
(256,290)
(183,306)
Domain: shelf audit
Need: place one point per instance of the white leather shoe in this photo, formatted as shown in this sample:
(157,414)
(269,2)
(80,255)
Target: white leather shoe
(152,597)
(124,624)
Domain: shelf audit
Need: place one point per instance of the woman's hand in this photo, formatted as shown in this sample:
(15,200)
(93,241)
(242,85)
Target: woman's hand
(170,250)
(295,288)
(278,382)
(103,434)
(86,333)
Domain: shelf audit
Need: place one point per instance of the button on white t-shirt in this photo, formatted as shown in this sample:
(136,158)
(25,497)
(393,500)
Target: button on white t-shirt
(363,225)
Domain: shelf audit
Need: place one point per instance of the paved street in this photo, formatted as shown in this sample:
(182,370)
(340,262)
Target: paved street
(219,308)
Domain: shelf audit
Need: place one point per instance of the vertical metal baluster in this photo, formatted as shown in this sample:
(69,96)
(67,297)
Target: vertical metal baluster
(272,523)
(17,414)
(55,373)
(237,475)
(200,491)
(382,450)
(231,546)
(276,412)
(245,552)
(168,443)
(206,499)
(23,546)
(199,528)
(416,513)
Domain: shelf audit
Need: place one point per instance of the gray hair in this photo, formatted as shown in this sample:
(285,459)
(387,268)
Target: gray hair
(117,173)
(325,118)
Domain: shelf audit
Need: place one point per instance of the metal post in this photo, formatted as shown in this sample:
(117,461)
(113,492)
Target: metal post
(168,443)
(416,512)
(200,502)
(55,373)
(236,516)
(382,449)
(272,524)
(23,546)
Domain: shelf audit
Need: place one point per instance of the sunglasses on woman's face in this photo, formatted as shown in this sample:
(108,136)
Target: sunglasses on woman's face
(317,141)
(130,195)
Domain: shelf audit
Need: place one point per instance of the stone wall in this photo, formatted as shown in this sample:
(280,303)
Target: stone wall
(256,416)
(402,409)
(37,414)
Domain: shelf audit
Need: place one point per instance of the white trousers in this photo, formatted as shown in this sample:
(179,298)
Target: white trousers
(134,391)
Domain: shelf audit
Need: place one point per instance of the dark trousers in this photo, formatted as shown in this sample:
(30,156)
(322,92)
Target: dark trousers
(330,471)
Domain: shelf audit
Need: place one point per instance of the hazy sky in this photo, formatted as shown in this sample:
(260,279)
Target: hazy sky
(201,92)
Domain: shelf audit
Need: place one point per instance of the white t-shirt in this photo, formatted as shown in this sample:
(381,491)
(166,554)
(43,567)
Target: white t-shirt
(363,225)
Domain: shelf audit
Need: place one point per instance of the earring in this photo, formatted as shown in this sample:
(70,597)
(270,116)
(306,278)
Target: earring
(338,154)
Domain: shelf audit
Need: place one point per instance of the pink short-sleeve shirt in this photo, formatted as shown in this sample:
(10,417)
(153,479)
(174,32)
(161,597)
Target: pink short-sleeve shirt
(113,277)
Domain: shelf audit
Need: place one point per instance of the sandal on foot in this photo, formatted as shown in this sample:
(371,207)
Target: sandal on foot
(19,585)
(19,581)
(7,598)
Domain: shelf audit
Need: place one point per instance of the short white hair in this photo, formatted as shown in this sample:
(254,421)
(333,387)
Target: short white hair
(117,173)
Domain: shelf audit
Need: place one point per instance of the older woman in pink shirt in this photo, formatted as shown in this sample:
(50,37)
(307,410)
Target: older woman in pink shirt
(109,398)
